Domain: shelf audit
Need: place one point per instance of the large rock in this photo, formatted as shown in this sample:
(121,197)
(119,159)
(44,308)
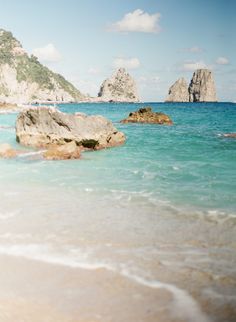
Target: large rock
(120,87)
(202,87)
(24,79)
(44,126)
(178,92)
(146,115)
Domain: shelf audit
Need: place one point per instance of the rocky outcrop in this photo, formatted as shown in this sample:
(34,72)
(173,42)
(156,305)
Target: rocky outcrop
(178,92)
(120,87)
(44,126)
(24,79)
(146,115)
(63,152)
(202,87)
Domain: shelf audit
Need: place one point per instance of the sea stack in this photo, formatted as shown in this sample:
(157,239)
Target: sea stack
(178,92)
(120,87)
(23,79)
(202,87)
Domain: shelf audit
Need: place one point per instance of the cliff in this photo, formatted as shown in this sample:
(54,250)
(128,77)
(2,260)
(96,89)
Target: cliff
(120,87)
(24,79)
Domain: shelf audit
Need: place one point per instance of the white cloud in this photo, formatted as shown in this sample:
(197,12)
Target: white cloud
(138,21)
(130,63)
(85,86)
(222,61)
(194,49)
(47,54)
(93,70)
(190,66)
(149,82)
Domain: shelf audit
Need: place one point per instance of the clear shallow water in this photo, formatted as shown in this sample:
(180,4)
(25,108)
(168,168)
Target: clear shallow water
(159,211)
(188,164)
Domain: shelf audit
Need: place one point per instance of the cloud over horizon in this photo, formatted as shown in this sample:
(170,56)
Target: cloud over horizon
(47,53)
(138,21)
(191,66)
(222,61)
(129,63)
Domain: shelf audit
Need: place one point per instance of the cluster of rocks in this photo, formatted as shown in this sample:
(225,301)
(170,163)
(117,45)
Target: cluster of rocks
(200,89)
(64,136)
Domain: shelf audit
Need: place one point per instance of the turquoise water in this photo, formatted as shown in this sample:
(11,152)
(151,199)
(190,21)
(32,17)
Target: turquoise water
(188,164)
(134,223)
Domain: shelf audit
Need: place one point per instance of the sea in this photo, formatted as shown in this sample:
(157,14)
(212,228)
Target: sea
(143,232)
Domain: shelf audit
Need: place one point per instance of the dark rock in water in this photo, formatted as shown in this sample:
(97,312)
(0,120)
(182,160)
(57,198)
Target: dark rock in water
(229,135)
(46,126)
(146,115)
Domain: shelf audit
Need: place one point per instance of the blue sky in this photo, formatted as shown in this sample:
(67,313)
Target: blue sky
(158,41)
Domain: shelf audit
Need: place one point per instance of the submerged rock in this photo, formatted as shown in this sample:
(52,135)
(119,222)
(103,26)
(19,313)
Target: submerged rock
(146,115)
(63,152)
(120,87)
(44,126)
(229,135)
(178,92)
(7,152)
(202,87)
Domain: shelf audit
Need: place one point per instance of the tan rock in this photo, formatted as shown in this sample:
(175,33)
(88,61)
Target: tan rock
(146,115)
(63,152)
(178,92)
(120,87)
(44,126)
(202,87)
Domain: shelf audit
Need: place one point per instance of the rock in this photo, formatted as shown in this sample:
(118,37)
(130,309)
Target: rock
(229,135)
(63,152)
(146,115)
(202,87)
(178,92)
(120,87)
(44,126)
(23,79)
(7,152)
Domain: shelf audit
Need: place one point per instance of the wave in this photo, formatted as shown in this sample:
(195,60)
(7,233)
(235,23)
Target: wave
(183,306)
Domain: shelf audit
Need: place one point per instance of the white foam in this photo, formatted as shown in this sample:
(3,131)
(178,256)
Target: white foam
(8,215)
(31,153)
(183,306)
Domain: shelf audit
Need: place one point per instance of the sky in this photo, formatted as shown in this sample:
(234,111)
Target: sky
(157,41)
